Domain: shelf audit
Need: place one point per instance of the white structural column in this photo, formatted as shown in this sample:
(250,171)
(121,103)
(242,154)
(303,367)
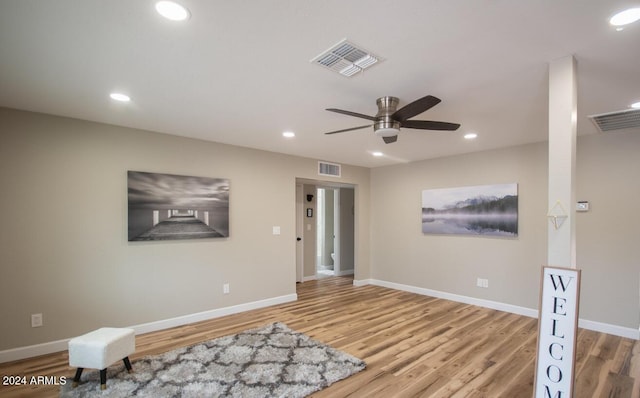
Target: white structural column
(555,360)
(562,162)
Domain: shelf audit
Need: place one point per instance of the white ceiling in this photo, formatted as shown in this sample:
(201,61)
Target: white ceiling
(239,72)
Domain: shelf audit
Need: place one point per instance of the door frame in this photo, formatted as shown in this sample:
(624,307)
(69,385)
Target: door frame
(299,232)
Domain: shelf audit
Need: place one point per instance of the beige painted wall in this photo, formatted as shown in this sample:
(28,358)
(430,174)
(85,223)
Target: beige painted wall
(607,237)
(608,166)
(64,249)
(346,228)
(452,264)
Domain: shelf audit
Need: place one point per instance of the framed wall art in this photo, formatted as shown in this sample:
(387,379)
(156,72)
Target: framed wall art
(475,210)
(168,207)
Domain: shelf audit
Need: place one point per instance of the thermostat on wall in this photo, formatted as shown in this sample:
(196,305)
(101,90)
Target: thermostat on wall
(582,206)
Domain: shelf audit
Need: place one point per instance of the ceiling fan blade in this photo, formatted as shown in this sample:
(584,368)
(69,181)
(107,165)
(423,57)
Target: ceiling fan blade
(349,113)
(429,125)
(352,128)
(415,108)
(389,140)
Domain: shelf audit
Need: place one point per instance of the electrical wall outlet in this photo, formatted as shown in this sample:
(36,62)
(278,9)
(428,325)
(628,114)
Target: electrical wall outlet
(36,320)
(225,288)
(481,282)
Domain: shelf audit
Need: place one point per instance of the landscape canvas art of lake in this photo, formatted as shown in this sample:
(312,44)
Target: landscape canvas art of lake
(476,210)
(167,207)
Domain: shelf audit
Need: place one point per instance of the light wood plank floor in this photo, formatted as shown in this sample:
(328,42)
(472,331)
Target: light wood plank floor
(414,346)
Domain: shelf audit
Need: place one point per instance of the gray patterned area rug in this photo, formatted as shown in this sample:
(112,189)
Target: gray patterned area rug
(271,361)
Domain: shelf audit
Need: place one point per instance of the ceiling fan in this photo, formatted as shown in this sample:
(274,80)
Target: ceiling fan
(388,120)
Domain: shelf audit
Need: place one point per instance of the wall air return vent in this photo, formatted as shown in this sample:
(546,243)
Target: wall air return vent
(329,169)
(346,58)
(626,119)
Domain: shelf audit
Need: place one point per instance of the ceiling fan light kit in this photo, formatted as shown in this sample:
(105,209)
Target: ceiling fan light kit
(382,131)
(385,126)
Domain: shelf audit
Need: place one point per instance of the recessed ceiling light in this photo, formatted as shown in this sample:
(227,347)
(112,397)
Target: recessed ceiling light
(470,136)
(172,11)
(636,105)
(625,17)
(120,97)
(288,134)
(378,154)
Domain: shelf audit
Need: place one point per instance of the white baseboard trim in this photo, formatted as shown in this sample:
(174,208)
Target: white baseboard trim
(494,305)
(615,330)
(35,350)
(211,314)
(15,354)
(608,328)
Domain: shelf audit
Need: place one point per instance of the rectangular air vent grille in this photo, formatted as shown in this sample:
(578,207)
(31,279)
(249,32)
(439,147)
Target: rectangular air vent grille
(346,58)
(329,169)
(626,119)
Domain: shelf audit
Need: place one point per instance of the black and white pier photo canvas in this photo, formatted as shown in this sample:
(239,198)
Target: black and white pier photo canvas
(168,207)
(475,210)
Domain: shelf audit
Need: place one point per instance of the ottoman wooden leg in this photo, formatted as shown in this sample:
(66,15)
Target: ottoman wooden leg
(127,364)
(76,378)
(103,379)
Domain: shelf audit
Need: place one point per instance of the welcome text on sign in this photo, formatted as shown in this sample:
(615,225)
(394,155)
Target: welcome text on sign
(557,332)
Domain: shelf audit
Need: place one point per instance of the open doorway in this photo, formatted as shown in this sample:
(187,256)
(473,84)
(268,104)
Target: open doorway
(328,232)
(325,224)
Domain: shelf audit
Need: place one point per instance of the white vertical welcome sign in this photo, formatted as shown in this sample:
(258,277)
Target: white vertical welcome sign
(557,329)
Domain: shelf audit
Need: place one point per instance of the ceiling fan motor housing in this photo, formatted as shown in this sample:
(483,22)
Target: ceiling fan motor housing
(385,126)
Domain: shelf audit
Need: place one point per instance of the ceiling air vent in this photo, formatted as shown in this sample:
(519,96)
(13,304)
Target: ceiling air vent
(619,120)
(346,58)
(329,169)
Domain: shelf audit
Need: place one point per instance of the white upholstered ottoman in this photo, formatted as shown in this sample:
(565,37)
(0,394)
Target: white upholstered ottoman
(99,349)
